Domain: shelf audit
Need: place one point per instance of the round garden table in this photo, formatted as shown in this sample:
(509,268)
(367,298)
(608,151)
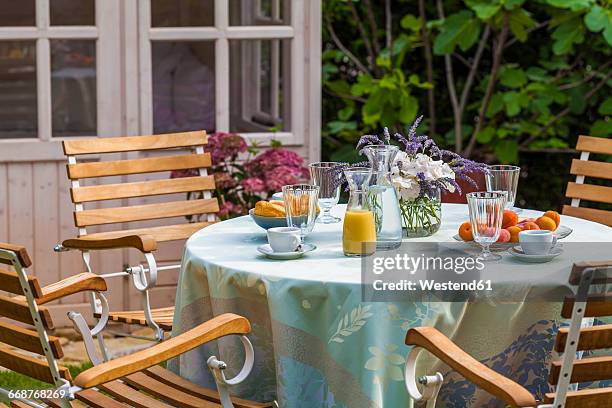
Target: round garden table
(317,344)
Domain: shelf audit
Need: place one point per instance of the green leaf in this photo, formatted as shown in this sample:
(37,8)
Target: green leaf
(340,87)
(512,101)
(571,4)
(606,107)
(408,109)
(485,135)
(577,103)
(458,29)
(596,19)
(519,22)
(567,34)
(383,61)
(537,74)
(507,151)
(364,85)
(337,126)
(512,77)
(496,104)
(601,128)
(346,113)
(414,80)
(484,9)
(410,22)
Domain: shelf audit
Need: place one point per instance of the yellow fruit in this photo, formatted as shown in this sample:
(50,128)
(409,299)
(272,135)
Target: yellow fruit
(465,231)
(514,232)
(546,223)
(554,216)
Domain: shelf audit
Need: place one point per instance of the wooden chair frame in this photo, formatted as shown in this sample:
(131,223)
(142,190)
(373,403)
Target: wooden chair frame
(144,277)
(102,373)
(568,341)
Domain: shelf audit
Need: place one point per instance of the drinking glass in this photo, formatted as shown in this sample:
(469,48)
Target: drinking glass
(486,214)
(327,178)
(301,207)
(504,178)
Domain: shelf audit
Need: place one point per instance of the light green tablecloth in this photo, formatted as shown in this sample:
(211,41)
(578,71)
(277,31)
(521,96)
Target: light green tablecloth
(318,345)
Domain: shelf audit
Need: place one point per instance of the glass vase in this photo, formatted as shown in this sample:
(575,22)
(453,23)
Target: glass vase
(422,216)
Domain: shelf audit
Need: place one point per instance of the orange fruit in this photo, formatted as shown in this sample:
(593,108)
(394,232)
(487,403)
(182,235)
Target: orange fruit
(465,231)
(546,223)
(510,219)
(553,215)
(531,226)
(514,232)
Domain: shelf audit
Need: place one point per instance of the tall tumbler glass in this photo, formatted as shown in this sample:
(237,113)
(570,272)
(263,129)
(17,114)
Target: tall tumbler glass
(503,177)
(486,214)
(301,207)
(326,176)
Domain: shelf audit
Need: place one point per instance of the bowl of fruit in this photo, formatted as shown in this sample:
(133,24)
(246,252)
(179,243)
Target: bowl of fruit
(512,225)
(269,214)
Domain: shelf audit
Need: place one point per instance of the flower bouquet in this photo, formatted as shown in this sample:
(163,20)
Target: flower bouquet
(419,172)
(244,176)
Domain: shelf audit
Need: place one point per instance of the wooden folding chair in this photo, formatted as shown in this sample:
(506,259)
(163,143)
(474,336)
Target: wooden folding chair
(135,380)
(569,370)
(587,168)
(144,239)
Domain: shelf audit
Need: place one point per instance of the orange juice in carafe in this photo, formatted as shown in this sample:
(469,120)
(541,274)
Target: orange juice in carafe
(359,230)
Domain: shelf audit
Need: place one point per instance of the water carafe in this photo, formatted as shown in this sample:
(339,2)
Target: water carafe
(383,197)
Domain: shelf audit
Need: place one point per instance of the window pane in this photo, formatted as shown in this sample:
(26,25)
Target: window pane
(73,87)
(182,13)
(17,13)
(260,85)
(18,110)
(183,86)
(73,12)
(260,12)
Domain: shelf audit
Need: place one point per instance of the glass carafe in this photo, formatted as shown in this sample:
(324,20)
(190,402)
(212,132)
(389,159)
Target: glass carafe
(359,230)
(383,197)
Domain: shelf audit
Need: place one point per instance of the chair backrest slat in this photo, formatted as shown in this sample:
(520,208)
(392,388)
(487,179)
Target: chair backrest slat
(597,306)
(30,366)
(591,338)
(138,166)
(591,214)
(145,212)
(27,339)
(594,145)
(10,283)
(134,143)
(17,309)
(591,168)
(590,192)
(141,189)
(585,370)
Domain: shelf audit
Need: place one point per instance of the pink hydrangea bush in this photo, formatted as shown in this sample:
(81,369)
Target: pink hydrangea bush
(243,177)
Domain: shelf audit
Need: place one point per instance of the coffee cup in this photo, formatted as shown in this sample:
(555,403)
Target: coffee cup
(537,242)
(284,239)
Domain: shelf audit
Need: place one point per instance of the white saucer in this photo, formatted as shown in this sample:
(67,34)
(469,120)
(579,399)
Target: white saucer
(267,251)
(517,252)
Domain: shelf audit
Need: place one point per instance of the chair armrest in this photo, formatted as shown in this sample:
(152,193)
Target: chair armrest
(212,329)
(448,352)
(144,243)
(82,282)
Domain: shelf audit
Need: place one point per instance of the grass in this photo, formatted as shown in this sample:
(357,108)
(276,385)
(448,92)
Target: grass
(10,380)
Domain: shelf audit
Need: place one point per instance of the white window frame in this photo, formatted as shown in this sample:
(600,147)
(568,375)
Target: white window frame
(45,146)
(221,32)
